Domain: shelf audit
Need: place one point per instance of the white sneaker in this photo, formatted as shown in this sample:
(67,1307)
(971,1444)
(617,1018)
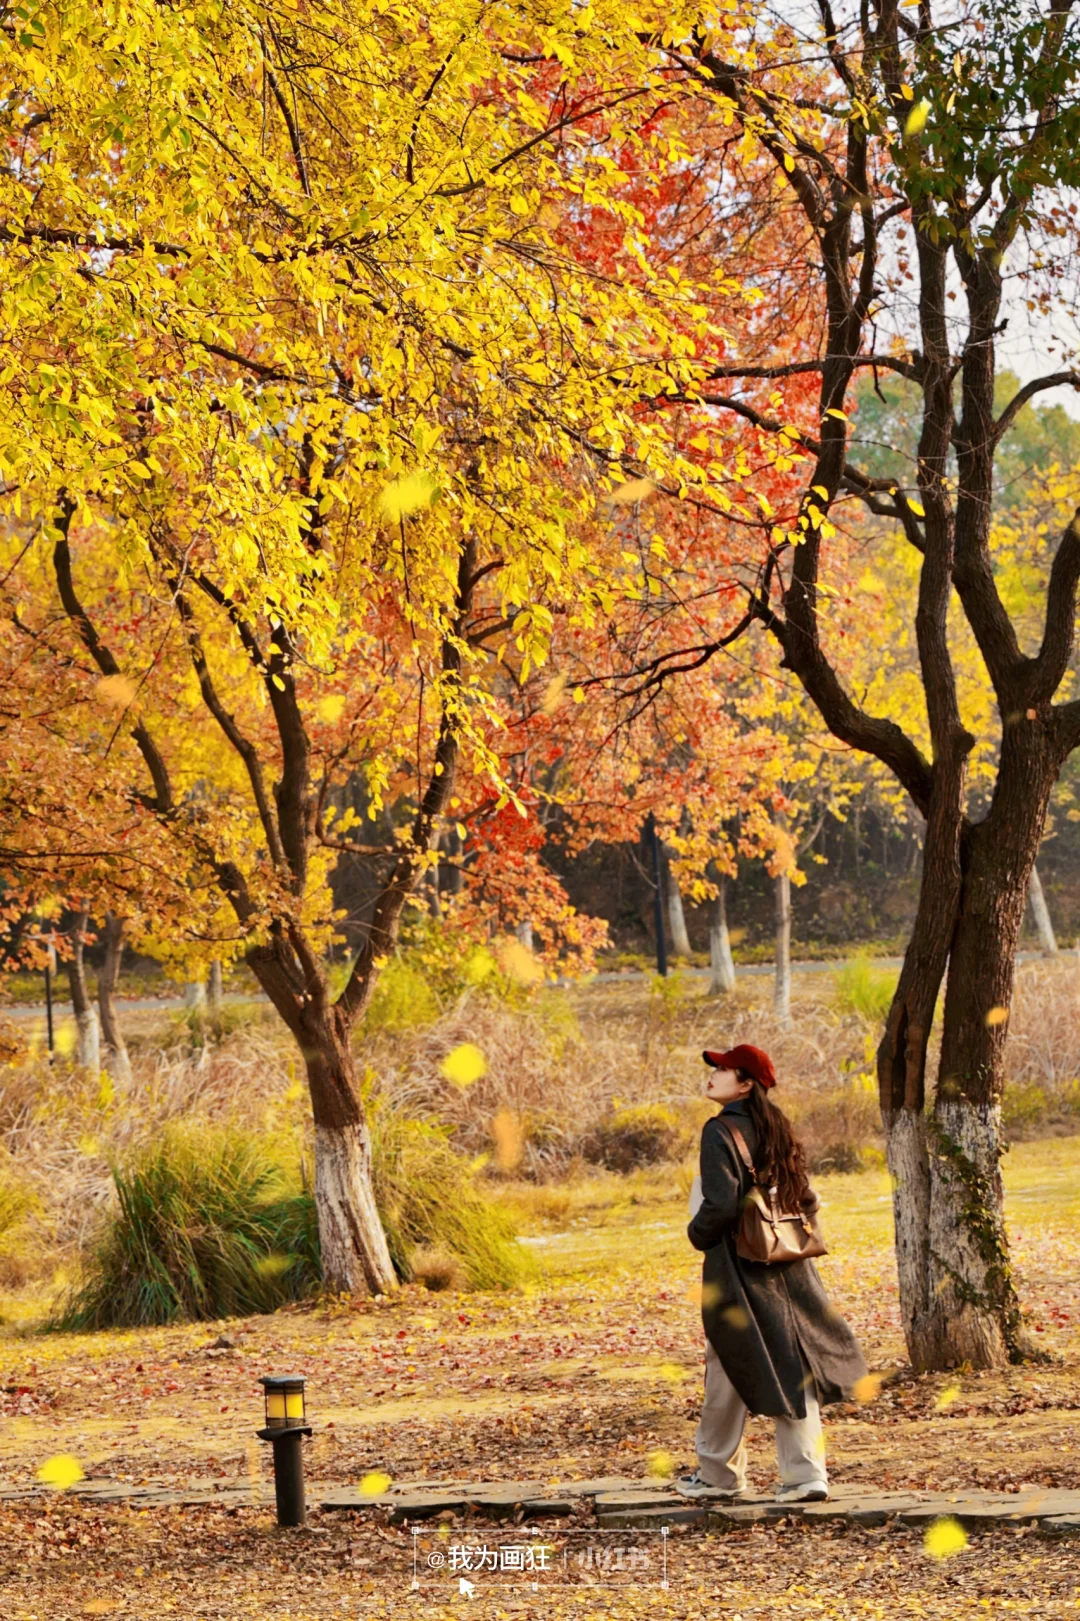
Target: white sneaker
(694,1486)
(813,1491)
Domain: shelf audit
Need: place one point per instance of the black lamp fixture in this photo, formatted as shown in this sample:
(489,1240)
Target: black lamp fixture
(286,1426)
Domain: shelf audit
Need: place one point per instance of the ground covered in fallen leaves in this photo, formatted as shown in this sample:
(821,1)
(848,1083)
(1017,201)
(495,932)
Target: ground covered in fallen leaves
(595,1370)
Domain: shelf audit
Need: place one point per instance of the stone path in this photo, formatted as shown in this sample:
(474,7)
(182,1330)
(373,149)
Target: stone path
(614,1500)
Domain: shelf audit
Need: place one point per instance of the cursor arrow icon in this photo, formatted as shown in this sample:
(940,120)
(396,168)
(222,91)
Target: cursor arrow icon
(465,1587)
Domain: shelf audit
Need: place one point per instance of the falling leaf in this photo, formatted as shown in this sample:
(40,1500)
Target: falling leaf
(660,1465)
(506,1131)
(946,1397)
(331,708)
(945,1537)
(518,963)
(638,489)
(579,695)
(996,1015)
(464,1065)
(736,1317)
(61,1472)
(554,693)
(671,1372)
(916,118)
(374,1484)
(115,691)
(407,495)
(866,1388)
(273,1265)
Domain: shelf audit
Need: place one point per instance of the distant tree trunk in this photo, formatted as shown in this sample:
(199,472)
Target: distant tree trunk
(119,1063)
(720,959)
(1040,913)
(782,983)
(680,940)
(524,932)
(88,1039)
(214,988)
(195,996)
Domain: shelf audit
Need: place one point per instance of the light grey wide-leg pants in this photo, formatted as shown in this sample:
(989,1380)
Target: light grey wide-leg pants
(721,1447)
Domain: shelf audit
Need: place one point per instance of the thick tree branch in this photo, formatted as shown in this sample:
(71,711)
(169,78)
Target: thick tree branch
(243,746)
(102,656)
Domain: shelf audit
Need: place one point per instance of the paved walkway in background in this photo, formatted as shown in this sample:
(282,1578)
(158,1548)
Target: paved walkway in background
(614,1502)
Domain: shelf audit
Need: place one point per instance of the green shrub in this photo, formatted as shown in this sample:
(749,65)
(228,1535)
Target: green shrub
(207,1224)
(429,1201)
(861,988)
(1023,1106)
(642,1134)
(403,999)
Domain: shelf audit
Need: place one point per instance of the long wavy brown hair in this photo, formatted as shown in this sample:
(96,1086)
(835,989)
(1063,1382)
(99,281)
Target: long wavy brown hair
(778,1157)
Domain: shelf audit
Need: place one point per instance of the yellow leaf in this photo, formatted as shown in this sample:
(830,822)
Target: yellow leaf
(638,489)
(102,1606)
(916,118)
(996,1015)
(61,1472)
(519,963)
(917,508)
(115,691)
(866,1388)
(464,1065)
(374,1484)
(554,693)
(660,1465)
(946,1397)
(945,1537)
(833,411)
(331,708)
(579,695)
(907,92)
(509,1139)
(407,495)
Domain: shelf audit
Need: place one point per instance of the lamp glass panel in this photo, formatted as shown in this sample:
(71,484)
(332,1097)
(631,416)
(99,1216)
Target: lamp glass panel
(275,1404)
(294,1404)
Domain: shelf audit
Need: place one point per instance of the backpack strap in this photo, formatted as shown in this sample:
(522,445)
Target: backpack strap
(741,1149)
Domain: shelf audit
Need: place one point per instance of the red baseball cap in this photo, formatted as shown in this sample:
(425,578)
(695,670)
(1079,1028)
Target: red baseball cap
(751,1059)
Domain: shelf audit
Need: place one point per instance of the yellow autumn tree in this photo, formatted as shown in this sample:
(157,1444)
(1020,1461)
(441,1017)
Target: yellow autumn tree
(310,382)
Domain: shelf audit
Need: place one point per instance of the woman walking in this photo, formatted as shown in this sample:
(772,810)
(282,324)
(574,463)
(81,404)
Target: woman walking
(774,1344)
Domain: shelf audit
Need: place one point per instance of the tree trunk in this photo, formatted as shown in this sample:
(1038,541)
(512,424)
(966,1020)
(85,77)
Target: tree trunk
(720,959)
(119,1063)
(680,940)
(88,1038)
(524,933)
(355,1255)
(1040,913)
(957,1297)
(782,982)
(215,988)
(354,1252)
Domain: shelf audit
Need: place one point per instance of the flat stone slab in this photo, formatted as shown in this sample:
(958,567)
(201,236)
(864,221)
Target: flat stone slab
(682,1512)
(1060,1525)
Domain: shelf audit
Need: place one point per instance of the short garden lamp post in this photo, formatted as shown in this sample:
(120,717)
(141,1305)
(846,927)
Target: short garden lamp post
(286,1426)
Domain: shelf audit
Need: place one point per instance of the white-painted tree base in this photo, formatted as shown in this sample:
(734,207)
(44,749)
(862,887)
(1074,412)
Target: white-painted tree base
(355,1256)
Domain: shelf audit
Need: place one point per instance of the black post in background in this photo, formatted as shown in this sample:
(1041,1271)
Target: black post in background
(289,1476)
(658,897)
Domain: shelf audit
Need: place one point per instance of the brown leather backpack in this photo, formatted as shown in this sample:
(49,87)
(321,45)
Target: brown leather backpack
(766,1233)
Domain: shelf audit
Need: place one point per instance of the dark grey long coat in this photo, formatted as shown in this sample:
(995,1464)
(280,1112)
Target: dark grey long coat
(756,1317)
